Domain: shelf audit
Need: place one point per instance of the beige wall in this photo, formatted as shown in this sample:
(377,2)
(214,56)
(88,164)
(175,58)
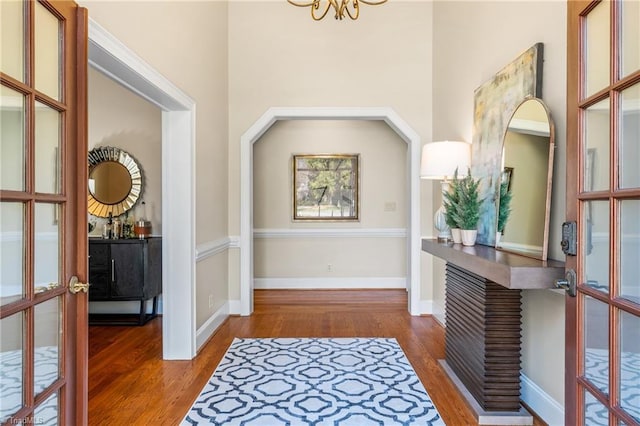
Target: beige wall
(472,41)
(289,60)
(383,177)
(120,118)
(187,43)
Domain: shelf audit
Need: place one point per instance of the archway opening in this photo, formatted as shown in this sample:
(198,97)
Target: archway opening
(271,116)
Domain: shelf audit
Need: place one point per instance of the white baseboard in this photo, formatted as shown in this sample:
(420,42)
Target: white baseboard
(426,307)
(235,307)
(211,325)
(545,407)
(439,313)
(328,283)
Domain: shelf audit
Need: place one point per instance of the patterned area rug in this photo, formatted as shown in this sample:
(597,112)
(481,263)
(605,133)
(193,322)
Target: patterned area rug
(46,361)
(341,381)
(597,371)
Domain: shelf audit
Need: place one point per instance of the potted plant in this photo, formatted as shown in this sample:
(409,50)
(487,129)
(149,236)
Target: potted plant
(450,203)
(504,208)
(467,212)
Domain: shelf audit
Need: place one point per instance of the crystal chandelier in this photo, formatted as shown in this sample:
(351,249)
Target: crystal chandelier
(351,8)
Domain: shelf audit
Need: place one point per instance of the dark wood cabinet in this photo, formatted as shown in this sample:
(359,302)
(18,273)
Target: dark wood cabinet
(125,270)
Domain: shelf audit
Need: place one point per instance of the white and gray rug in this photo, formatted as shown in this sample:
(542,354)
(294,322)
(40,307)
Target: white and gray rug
(318,381)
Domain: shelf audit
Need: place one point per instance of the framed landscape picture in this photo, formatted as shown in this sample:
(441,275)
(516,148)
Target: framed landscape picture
(326,187)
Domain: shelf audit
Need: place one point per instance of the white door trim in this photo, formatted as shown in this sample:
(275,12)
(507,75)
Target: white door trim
(109,56)
(271,116)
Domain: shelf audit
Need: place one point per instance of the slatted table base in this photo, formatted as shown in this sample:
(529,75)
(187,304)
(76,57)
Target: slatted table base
(483,341)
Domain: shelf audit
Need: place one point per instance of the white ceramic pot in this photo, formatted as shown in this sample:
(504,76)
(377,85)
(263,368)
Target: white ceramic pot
(469,236)
(456,235)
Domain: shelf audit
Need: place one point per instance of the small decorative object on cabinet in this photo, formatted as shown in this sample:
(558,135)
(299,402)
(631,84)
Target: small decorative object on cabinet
(125,270)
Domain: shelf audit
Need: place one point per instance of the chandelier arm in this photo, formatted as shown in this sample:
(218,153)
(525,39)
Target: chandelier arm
(356,9)
(302,4)
(373,3)
(316,5)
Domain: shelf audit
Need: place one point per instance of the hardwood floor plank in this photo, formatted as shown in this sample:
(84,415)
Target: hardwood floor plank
(130,384)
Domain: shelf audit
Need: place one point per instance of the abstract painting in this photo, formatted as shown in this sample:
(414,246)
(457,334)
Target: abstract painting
(494,103)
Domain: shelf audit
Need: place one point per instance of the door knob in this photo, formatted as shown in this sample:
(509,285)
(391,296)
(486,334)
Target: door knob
(568,283)
(76,286)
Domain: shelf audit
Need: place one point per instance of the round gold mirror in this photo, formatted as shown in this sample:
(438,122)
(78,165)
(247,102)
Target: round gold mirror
(115,181)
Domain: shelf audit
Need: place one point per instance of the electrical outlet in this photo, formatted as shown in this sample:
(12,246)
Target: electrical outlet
(329,267)
(211,300)
(390,206)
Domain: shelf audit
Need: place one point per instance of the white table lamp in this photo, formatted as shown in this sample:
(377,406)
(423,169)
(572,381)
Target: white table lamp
(439,161)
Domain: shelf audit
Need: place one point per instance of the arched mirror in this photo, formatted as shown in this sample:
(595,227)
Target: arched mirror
(525,187)
(115,181)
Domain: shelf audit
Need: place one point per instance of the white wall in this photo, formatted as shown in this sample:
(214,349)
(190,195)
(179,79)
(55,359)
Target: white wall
(187,43)
(472,41)
(383,59)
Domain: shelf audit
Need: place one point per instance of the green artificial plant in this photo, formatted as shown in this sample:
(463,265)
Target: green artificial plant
(467,212)
(504,206)
(451,200)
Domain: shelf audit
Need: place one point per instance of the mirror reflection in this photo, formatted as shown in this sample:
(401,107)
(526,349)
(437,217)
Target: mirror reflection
(110,182)
(115,181)
(525,190)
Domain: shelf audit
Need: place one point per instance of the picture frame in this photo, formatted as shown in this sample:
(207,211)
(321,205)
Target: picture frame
(326,187)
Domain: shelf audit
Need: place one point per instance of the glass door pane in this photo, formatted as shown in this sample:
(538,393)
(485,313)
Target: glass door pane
(12,39)
(629,363)
(596,137)
(630,250)
(47,344)
(12,252)
(47,247)
(597,48)
(48,55)
(47,152)
(12,139)
(596,343)
(629,173)
(596,245)
(629,36)
(48,413)
(11,365)
(595,414)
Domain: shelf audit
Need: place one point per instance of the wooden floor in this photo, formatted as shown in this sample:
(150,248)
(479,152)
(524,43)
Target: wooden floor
(129,384)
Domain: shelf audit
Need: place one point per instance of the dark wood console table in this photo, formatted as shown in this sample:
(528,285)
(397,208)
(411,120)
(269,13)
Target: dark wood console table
(125,270)
(483,318)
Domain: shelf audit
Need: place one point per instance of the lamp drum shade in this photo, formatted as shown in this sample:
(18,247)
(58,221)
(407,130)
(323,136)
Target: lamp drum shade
(440,159)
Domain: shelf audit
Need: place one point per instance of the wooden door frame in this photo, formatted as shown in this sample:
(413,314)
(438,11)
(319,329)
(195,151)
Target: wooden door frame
(112,58)
(573,172)
(79,362)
